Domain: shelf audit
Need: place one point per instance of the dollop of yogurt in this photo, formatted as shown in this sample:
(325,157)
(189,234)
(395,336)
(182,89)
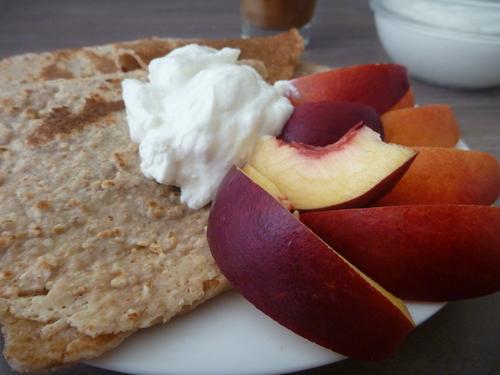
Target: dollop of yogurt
(200,113)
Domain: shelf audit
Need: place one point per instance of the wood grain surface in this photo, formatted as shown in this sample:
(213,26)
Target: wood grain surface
(464,337)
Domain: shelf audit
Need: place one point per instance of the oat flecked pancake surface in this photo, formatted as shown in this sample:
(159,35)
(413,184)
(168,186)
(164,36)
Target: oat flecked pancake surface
(280,54)
(91,250)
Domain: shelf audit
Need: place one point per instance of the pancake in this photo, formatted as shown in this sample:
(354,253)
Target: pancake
(91,250)
(279,53)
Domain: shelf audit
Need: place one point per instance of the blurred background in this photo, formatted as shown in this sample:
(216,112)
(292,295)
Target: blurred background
(462,338)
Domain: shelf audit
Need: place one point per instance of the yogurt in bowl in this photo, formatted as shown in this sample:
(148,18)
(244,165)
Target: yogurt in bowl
(449,43)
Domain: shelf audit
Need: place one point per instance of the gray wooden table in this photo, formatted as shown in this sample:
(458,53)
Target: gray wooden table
(464,337)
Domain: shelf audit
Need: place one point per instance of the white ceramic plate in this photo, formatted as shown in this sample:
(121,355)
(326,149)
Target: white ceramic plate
(226,336)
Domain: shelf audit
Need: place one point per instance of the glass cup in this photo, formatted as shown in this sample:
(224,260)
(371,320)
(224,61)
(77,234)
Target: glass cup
(267,17)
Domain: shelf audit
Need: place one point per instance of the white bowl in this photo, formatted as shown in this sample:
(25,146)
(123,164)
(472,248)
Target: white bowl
(440,55)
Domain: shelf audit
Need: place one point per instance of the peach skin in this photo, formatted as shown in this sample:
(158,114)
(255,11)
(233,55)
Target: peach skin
(291,275)
(381,86)
(323,123)
(422,252)
(431,125)
(446,175)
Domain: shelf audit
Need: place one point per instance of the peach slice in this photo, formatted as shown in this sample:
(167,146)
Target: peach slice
(288,273)
(324,123)
(352,172)
(381,86)
(424,252)
(267,185)
(431,125)
(407,101)
(446,175)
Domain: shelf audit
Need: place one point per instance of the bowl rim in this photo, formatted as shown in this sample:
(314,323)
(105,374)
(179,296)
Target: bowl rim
(379,8)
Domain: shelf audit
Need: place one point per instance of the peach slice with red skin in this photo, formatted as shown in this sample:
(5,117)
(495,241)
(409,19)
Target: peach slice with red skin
(267,185)
(356,170)
(431,125)
(381,86)
(447,175)
(324,123)
(422,252)
(291,275)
